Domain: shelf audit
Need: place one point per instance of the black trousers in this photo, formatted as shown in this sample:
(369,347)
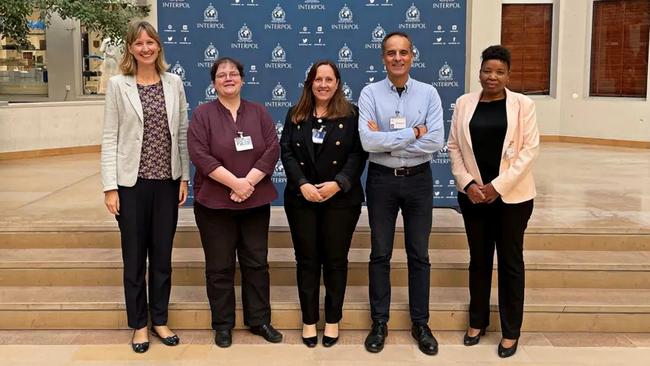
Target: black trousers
(386,196)
(499,225)
(147,221)
(244,233)
(321,238)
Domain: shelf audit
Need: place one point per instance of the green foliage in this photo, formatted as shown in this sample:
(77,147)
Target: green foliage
(109,18)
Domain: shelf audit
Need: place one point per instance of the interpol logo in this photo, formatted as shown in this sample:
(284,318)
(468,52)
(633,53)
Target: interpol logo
(211,53)
(278,98)
(347,92)
(244,39)
(442,156)
(446,73)
(279,176)
(174,4)
(345,58)
(278,20)
(413,19)
(279,127)
(376,36)
(345,20)
(417,64)
(210,92)
(302,83)
(311,5)
(446,4)
(210,19)
(278,59)
(179,70)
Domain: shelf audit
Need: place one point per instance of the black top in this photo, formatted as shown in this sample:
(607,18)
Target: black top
(339,158)
(488,129)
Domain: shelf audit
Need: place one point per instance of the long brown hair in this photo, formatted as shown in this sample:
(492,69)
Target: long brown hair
(129,65)
(338,106)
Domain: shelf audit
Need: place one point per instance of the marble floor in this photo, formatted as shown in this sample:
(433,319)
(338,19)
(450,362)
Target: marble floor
(581,189)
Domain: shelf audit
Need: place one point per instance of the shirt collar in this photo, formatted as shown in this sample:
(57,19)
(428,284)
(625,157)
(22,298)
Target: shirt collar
(407,86)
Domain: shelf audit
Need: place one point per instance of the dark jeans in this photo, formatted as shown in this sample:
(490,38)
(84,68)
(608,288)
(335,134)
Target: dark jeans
(386,195)
(244,233)
(147,221)
(499,225)
(321,238)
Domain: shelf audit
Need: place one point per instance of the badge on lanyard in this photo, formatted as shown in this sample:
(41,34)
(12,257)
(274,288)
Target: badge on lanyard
(243,143)
(318,135)
(397,122)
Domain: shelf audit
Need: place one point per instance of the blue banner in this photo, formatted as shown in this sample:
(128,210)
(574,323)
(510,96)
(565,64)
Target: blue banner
(278,41)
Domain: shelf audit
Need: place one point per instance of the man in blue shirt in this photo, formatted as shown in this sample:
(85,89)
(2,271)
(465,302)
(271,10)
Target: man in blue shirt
(400,124)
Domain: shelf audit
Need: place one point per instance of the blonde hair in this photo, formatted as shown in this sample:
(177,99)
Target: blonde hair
(129,65)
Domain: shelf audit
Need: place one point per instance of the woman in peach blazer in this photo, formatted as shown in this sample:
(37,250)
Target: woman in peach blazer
(493,143)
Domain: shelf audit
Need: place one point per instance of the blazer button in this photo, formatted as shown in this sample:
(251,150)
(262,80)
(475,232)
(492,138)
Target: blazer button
(340,125)
(301,163)
(334,162)
(298,144)
(338,143)
(298,127)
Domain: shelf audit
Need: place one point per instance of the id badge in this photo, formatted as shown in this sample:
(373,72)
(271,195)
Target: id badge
(243,143)
(397,123)
(317,136)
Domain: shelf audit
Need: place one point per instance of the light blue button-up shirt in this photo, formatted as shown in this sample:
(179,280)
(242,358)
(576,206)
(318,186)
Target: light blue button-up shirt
(420,104)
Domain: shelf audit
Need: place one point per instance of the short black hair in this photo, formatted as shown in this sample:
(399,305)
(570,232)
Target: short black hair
(223,60)
(391,34)
(496,52)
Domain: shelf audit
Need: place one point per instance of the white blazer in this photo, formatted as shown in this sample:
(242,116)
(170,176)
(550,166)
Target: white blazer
(124,128)
(515,181)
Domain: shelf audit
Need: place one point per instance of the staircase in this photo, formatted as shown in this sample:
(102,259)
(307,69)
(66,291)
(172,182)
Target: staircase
(70,278)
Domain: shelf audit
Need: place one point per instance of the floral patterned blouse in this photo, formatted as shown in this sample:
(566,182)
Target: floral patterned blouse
(155,158)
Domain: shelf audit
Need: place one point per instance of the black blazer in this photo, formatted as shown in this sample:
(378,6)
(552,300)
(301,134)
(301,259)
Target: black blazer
(341,159)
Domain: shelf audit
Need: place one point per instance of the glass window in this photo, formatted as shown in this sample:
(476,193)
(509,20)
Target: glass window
(24,72)
(526,31)
(619,48)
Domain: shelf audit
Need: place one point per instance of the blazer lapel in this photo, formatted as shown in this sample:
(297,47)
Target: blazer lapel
(170,99)
(467,117)
(512,111)
(330,128)
(133,96)
(306,132)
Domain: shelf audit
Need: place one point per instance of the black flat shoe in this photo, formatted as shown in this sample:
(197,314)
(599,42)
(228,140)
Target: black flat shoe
(427,343)
(310,342)
(267,332)
(139,347)
(329,341)
(471,341)
(223,338)
(377,337)
(167,341)
(507,352)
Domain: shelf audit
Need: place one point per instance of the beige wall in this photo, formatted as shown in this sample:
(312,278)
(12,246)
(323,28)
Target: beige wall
(568,111)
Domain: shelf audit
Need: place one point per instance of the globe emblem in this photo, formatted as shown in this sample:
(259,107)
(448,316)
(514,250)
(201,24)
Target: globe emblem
(279,93)
(178,70)
(278,54)
(345,54)
(445,72)
(416,54)
(378,34)
(345,15)
(210,92)
(210,14)
(244,34)
(279,127)
(347,91)
(279,168)
(211,53)
(278,15)
(413,14)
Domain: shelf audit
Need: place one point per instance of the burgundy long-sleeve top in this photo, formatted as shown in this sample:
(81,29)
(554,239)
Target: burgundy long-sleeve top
(211,143)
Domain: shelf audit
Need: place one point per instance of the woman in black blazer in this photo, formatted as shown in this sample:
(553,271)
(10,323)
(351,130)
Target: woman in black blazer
(323,160)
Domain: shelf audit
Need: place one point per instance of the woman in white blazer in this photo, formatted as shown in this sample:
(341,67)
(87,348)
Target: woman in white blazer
(145,169)
(493,143)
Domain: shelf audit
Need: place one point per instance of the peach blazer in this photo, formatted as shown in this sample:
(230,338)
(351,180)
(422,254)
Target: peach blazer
(515,181)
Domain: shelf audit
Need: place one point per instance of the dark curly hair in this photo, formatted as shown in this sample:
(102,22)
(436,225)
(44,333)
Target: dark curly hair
(496,52)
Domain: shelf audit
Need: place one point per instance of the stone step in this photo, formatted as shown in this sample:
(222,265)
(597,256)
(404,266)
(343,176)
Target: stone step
(545,268)
(548,309)
(281,238)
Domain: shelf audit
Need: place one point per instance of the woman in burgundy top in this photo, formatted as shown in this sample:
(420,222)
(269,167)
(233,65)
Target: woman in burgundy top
(234,146)
(145,169)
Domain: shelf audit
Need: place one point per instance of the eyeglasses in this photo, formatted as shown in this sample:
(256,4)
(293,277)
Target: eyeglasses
(230,75)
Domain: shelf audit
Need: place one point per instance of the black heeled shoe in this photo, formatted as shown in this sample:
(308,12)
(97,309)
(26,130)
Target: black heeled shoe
(329,341)
(139,347)
(310,342)
(507,352)
(167,341)
(471,341)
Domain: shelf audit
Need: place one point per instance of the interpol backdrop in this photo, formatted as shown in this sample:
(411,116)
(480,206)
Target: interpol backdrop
(279,40)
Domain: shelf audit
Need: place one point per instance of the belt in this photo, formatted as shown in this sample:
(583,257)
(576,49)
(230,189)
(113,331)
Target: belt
(400,172)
